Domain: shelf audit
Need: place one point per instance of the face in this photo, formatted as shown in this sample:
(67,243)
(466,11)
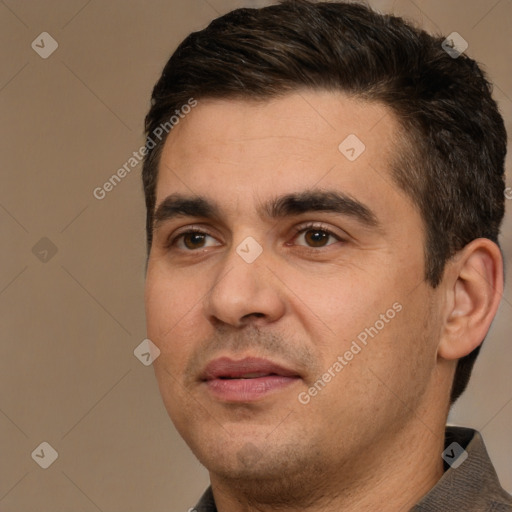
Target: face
(285,286)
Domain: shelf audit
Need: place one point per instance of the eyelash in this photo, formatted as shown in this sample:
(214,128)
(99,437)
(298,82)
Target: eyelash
(318,227)
(296,232)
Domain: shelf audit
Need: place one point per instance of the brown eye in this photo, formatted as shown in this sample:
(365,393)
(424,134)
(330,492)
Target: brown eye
(316,237)
(194,240)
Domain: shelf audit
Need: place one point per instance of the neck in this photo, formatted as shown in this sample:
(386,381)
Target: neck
(391,475)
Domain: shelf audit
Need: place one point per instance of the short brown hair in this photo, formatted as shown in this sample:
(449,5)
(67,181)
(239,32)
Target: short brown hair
(452,162)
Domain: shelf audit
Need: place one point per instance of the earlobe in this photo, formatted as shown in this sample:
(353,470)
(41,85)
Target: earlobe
(474,285)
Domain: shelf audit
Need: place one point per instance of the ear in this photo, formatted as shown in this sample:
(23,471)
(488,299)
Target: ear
(473,283)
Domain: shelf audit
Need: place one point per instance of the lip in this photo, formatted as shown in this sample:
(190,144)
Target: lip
(223,377)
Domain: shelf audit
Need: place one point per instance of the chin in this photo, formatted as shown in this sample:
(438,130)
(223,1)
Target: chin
(251,458)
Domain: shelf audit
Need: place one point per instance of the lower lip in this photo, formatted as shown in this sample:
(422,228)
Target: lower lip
(248,390)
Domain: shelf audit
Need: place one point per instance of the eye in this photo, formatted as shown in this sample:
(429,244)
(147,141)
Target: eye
(316,236)
(192,240)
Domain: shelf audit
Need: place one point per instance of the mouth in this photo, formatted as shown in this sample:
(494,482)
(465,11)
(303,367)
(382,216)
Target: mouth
(246,380)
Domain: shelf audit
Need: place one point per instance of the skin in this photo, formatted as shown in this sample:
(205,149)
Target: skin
(372,438)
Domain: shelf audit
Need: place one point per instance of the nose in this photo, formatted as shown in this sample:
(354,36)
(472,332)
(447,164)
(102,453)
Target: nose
(245,293)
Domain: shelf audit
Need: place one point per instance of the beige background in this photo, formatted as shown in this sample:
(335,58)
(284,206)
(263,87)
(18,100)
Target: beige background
(69,325)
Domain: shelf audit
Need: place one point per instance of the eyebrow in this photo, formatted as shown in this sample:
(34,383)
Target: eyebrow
(176,205)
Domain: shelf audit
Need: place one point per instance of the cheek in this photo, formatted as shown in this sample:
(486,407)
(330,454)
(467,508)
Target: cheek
(172,307)
(169,300)
(346,303)
(386,340)
(400,357)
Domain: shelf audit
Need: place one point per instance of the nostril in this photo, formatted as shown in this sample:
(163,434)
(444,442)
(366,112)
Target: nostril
(257,315)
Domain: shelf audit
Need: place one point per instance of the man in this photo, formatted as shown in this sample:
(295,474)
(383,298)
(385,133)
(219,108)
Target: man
(322,217)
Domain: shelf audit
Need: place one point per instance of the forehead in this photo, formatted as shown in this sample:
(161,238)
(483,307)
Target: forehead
(234,149)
